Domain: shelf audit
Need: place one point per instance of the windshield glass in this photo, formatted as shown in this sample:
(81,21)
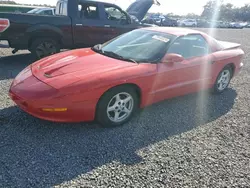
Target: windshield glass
(140,45)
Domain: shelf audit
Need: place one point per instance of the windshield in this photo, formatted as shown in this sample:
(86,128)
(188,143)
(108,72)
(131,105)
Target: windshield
(140,45)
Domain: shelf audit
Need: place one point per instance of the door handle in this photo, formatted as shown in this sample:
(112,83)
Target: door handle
(106,25)
(78,24)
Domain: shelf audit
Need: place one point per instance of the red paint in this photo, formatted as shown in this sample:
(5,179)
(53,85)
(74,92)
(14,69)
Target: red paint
(77,79)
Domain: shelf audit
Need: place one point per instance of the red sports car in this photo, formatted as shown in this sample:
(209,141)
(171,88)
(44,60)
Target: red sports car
(109,82)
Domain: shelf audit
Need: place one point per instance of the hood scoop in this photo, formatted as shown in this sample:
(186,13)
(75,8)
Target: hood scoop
(51,70)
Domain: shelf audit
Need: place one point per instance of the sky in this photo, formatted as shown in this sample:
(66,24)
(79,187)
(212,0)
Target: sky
(180,7)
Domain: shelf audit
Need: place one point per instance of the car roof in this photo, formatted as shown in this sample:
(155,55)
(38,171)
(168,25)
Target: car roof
(174,31)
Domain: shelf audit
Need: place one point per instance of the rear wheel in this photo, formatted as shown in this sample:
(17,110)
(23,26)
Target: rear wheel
(44,47)
(223,80)
(117,106)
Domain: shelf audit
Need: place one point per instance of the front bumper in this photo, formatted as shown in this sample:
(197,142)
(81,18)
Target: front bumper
(32,96)
(76,112)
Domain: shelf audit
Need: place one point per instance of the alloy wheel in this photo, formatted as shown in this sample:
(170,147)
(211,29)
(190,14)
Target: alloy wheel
(120,107)
(224,80)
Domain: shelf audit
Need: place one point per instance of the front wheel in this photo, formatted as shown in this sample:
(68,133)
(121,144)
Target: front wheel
(117,106)
(223,80)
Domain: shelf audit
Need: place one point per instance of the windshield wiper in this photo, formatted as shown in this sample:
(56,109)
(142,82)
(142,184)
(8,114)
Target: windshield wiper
(98,48)
(113,54)
(131,60)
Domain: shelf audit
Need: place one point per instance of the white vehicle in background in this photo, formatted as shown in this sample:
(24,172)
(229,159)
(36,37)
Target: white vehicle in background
(42,11)
(236,25)
(187,23)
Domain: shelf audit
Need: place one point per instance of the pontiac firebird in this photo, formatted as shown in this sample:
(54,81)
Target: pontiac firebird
(110,82)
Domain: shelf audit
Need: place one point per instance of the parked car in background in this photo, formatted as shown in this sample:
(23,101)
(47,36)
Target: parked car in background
(247,26)
(203,23)
(168,22)
(77,24)
(223,24)
(158,20)
(218,24)
(236,25)
(188,23)
(43,11)
(148,20)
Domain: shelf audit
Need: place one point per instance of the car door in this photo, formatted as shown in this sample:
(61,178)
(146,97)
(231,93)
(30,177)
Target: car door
(116,21)
(190,75)
(89,27)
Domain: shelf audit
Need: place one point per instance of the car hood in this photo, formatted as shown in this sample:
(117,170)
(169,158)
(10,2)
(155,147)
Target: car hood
(69,67)
(139,8)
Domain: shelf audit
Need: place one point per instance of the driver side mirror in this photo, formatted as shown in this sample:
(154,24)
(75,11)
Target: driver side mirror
(172,58)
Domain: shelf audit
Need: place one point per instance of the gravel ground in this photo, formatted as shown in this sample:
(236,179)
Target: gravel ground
(191,141)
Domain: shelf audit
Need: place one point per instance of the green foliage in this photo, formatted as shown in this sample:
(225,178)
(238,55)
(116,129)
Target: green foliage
(226,11)
(8,2)
(14,3)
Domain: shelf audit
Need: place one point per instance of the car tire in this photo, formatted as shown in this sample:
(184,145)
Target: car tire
(111,109)
(223,80)
(44,47)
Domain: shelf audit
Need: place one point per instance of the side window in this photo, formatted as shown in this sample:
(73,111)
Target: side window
(114,14)
(88,11)
(42,12)
(48,12)
(190,46)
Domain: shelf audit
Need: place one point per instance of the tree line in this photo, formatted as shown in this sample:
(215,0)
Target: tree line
(227,12)
(14,3)
(217,10)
